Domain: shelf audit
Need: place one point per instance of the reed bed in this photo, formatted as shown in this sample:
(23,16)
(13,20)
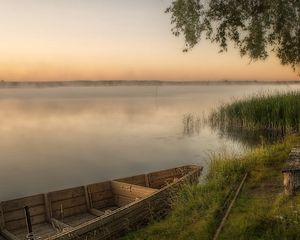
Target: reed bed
(279,112)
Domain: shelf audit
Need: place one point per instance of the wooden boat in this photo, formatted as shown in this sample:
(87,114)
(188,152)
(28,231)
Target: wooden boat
(99,211)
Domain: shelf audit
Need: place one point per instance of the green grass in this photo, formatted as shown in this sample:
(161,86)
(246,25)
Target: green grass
(261,212)
(279,112)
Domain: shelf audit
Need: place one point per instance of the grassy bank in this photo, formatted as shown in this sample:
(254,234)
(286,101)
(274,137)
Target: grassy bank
(277,112)
(261,212)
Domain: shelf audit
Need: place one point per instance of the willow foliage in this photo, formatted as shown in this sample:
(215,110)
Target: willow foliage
(257,27)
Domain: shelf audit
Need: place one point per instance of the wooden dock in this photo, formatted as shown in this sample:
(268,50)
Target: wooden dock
(291,172)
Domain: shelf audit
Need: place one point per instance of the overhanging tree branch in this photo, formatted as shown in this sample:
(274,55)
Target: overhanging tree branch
(256,27)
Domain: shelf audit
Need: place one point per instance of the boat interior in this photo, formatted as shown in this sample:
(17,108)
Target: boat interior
(62,210)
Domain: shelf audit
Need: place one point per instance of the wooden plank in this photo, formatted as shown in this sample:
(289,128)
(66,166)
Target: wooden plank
(137,180)
(289,183)
(154,178)
(19,214)
(99,187)
(87,198)
(41,231)
(12,225)
(101,195)
(68,203)
(164,173)
(171,173)
(44,230)
(69,212)
(123,200)
(217,234)
(60,225)
(159,183)
(47,207)
(79,219)
(131,190)
(113,228)
(147,180)
(2,222)
(103,203)
(96,212)
(8,235)
(31,201)
(66,194)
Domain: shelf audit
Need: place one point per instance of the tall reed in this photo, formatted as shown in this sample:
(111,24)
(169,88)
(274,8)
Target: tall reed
(278,112)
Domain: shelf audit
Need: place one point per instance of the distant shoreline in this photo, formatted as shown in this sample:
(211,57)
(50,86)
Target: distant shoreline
(99,83)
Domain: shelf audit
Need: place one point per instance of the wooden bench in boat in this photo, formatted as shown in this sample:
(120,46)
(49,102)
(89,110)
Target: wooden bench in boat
(96,211)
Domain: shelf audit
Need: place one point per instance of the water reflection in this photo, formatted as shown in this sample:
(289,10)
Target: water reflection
(250,138)
(63,137)
(191,124)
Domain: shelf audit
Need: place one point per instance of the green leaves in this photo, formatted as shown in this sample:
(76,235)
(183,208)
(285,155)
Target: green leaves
(256,27)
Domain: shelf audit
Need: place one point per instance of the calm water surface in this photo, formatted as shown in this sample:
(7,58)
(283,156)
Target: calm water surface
(54,138)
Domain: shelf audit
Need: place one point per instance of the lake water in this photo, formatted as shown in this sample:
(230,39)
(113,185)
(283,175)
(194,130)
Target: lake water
(54,138)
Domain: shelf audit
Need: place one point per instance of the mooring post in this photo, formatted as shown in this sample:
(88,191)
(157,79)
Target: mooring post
(289,183)
(291,173)
(30,235)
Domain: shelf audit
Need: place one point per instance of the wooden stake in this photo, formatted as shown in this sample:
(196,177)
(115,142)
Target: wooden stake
(229,208)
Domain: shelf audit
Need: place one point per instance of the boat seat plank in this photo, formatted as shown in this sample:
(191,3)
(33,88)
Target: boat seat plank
(110,209)
(59,225)
(96,212)
(78,219)
(137,180)
(125,193)
(131,190)
(8,235)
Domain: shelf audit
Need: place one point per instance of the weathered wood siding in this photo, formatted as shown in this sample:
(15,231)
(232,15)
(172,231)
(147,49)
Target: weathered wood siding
(130,216)
(100,195)
(14,215)
(125,193)
(291,172)
(67,202)
(137,180)
(161,178)
(137,204)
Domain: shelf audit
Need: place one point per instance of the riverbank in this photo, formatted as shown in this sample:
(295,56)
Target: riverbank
(262,211)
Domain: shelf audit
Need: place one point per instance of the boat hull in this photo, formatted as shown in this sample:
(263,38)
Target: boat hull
(139,199)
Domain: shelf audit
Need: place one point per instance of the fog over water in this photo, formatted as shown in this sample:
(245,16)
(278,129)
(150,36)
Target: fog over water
(54,138)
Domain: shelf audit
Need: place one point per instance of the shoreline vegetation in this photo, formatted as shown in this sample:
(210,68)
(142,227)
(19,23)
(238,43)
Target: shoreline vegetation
(262,211)
(95,83)
(276,113)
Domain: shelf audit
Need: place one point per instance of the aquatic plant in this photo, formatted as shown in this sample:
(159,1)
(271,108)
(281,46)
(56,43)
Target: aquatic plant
(278,113)
(191,124)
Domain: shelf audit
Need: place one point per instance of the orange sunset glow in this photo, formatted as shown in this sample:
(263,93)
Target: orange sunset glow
(112,40)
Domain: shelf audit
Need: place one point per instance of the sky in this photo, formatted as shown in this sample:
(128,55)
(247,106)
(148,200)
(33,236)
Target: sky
(44,40)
